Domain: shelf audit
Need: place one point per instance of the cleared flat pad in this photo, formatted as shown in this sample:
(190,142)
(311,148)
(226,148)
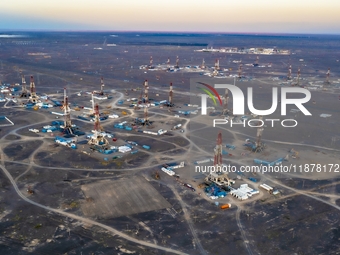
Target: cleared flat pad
(109,199)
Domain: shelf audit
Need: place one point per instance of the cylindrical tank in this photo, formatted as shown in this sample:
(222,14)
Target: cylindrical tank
(225,206)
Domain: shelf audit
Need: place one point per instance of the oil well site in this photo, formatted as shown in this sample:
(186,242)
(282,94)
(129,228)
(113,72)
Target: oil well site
(122,144)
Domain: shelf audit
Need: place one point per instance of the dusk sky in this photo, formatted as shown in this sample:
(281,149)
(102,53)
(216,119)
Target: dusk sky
(243,16)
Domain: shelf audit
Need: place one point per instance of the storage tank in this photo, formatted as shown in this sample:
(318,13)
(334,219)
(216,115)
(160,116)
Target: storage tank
(225,206)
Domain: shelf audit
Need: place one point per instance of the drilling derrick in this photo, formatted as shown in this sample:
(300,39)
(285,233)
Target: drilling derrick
(177,62)
(24,92)
(168,64)
(92,99)
(146,92)
(259,144)
(218,152)
(327,76)
(226,99)
(217,177)
(217,65)
(97,139)
(146,118)
(225,105)
(101,86)
(240,71)
(146,102)
(140,100)
(298,77)
(33,98)
(97,126)
(67,115)
(203,64)
(151,63)
(216,68)
(170,95)
(289,75)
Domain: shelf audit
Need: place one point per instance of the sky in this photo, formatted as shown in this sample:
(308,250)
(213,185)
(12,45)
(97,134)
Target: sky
(240,16)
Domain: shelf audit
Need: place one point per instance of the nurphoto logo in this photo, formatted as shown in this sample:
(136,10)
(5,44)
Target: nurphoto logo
(239,99)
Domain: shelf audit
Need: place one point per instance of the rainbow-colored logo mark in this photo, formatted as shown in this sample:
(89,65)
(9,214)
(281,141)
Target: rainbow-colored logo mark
(210,94)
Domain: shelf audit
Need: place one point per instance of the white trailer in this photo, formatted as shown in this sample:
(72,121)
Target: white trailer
(169,172)
(267,187)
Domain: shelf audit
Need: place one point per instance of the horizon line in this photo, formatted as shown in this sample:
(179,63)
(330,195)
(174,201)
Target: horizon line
(160,31)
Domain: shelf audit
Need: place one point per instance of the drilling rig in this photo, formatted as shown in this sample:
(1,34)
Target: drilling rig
(150,66)
(97,140)
(298,77)
(216,67)
(327,76)
(218,177)
(170,103)
(258,145)
(218,151)
(101,92)
(146,92)
(177,63)
(24,92)
(67,129)
(240,72)
(226,111)
(33,97)
(146,103)
(203,64)
(168,64)
(289,75)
